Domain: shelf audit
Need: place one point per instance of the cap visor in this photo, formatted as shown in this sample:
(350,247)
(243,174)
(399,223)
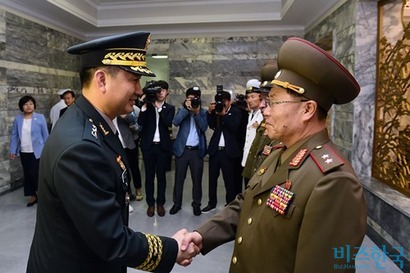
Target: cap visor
(143,71)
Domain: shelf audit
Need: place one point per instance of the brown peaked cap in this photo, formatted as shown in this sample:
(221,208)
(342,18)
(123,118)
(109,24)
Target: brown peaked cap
(309,70)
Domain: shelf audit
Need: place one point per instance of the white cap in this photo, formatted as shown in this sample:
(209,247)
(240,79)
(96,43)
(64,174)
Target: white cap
(254,83)
(62,91)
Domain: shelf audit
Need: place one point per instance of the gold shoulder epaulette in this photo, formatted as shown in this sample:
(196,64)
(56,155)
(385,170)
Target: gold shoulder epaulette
(326,158)
(154,253)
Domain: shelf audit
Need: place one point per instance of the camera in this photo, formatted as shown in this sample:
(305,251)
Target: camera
(150,90)
(219,100)
(241,101)
(195,102)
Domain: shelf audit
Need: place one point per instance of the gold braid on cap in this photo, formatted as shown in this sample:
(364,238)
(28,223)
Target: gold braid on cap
(154,253)
(125,59)
(297,89)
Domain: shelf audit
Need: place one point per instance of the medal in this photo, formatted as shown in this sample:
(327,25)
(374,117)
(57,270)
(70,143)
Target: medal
(279,199)
(267,150)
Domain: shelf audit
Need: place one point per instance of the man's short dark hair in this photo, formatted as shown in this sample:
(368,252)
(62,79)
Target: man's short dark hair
(87,73)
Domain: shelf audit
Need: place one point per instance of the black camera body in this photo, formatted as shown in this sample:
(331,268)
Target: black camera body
(219,102)
(195,102)
(241,101)
(150,90)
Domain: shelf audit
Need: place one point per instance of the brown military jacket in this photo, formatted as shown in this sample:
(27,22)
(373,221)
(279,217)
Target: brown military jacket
(256,153)
(327,211)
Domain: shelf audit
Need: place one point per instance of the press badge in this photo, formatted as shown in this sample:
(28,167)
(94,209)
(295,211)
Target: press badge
(279,199)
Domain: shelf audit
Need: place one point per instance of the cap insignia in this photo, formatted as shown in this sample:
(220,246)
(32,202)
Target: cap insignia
(287,85)
(298,158)
(125,59)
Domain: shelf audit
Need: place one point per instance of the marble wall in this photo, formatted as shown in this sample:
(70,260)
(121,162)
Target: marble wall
(32,61)
(207,62)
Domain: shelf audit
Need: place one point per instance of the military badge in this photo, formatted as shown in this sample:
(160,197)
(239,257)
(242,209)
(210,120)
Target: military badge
(267,150)
(103,129)
(279,199)
(298,158)
(261,171)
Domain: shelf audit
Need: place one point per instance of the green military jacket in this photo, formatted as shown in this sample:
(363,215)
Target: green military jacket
(327,211)
(256,154)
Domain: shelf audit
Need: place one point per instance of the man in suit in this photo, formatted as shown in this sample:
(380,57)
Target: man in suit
(82,216)
(155,119)
(224,149)
(69,98)
(305,202)
(190,148)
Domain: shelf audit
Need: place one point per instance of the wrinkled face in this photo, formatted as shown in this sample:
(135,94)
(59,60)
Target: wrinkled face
(253,100)
(68,99)
(283,115)
(123,88)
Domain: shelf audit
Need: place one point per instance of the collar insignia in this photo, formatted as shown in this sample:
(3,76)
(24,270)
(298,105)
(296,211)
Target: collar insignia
(298,158)
(103,129)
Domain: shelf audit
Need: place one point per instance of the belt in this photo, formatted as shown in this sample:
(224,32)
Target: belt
(191,147)
(221,148)
(156,142)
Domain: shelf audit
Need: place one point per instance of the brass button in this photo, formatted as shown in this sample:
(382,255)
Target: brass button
(259,202)
(240,239)
(234,260)
(250,221)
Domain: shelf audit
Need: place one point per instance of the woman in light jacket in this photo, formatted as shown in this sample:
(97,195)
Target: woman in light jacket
(28,136)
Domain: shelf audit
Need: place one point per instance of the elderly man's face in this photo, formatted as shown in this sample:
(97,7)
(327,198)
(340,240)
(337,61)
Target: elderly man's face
(283,114)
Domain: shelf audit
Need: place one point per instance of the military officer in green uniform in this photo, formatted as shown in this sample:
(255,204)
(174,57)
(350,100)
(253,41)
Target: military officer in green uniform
(262,145)
(305,201)
(82,215)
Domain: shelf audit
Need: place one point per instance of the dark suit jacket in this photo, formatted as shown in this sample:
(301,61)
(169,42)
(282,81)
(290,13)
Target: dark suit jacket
(328,211)
(228,124)
(82,216)
(146,120)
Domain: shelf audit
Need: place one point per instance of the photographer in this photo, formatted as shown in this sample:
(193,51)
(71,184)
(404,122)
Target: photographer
(224,149)
(155,118)
(190,148)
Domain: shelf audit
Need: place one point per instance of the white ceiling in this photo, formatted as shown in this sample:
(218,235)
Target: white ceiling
(87,19)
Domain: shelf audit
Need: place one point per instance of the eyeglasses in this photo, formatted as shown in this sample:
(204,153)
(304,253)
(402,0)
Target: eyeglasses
(271,103)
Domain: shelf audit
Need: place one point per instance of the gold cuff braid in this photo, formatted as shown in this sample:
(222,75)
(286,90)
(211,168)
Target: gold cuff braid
(297,89)
(154,253)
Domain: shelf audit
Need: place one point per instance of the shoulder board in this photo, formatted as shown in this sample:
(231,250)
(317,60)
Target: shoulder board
(326,158)
(91,132)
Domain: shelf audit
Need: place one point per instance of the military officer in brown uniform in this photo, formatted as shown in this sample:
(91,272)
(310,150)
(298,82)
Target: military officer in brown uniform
(262,145)
(305,200)
(82,216)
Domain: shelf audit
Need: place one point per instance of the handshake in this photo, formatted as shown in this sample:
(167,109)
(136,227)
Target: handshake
(189,245)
